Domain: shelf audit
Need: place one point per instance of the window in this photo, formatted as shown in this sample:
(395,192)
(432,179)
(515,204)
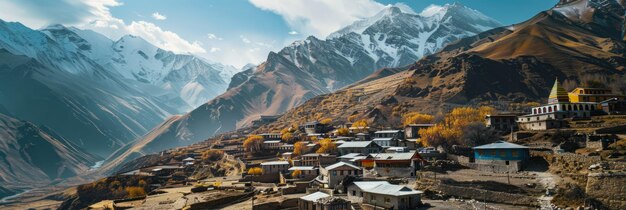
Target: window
(353,192)
(387,200)
(502,153)
(341,173)
(492,153)
(334,172)
(481,153)
(514,153)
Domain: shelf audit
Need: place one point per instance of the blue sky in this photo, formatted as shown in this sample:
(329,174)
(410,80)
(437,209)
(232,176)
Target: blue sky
(233,32)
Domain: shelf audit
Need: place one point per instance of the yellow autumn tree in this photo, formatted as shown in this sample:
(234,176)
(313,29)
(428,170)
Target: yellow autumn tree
(326,121)
(255,171)
(286,136)
(450,131)
(343,132)
(327,146)
(253,144)
(299,148)
(296,173)
(361,125)
(417,118)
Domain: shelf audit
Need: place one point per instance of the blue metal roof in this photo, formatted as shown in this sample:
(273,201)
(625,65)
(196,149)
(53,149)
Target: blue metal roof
(501,145)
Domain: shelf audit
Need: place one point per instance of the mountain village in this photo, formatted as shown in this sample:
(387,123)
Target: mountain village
(562,154)
(447,108)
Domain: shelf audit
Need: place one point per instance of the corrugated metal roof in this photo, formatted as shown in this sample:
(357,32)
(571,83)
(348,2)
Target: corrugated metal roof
(391,189)
(393,156)
(275,163)
(388,131)
(351,155)
(302,168)
(314,196)
(382,139)
(271,142)
(355,144)
(339,164)
(501,145)
(368,185)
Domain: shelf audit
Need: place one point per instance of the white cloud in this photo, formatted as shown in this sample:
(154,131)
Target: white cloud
(94,15)
(213,37)
(320,17)
(245,40)
(158,16)
(293,33)
(431,10)
(215,49)
(162,38)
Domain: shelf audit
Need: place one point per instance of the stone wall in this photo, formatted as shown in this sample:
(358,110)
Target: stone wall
(463,160)
(487,195)
(265,178)
(513,167)
(300,187)
(285,204)
(608,188)
(389,172)
(220,201)
(572,165)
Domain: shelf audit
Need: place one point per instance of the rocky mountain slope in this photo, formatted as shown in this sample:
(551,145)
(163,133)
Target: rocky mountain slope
(394,37)
(94,108)
(516,63)
(31,155)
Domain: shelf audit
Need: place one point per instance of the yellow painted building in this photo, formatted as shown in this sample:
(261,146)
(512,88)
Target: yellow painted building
(579,95)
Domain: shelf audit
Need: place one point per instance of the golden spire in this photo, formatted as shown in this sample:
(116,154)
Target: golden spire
(558,94)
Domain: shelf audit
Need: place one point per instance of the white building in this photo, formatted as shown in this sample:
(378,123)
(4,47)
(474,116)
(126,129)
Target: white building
(383,194)
(275,167)
(333,175)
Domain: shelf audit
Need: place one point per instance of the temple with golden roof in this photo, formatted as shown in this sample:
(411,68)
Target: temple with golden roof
(558,108)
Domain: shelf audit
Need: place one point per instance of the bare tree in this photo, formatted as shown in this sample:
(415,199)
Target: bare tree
(477,133)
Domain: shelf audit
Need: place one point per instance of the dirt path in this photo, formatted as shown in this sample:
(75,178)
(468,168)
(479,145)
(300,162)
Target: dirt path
(547,181)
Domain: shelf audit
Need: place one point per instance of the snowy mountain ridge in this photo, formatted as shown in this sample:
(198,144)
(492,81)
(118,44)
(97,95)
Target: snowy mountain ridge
(134,58)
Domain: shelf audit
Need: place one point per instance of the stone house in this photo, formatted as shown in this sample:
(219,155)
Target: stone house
(322,201)
(270,136)
(392,164)
(314,159)
(501,122)
(271,145)
(388,138)
(362,147)
(275,167)
(331,176)
(385,195)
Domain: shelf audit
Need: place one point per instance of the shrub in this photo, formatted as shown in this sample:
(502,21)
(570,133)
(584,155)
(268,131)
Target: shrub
(134,192)
(212,155)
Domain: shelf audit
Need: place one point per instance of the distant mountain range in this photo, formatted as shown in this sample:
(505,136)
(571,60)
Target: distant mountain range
(516,63)
(96,94)
(396,36)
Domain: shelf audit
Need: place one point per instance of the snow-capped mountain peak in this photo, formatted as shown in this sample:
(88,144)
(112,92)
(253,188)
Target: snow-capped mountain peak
(397,35)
